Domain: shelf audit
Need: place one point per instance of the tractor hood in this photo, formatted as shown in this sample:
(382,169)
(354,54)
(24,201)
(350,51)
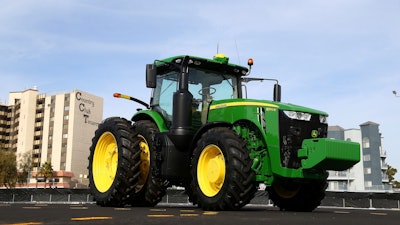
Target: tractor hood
(264,103)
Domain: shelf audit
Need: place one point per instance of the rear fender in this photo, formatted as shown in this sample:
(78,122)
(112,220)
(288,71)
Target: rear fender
(153,116)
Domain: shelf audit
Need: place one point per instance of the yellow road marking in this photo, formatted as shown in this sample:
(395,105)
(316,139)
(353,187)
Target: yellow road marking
(91,218)
(379,214)
(80,207)
(25,223)
(160,215)
(341,212)
(158,210)
(187,210)
(31,207)
(189,214)
(210,213)
(122,209)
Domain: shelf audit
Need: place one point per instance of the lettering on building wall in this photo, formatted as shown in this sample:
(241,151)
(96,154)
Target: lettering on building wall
(85,106)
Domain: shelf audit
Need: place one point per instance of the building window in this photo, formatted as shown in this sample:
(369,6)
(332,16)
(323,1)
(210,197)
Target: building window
(66,108)
(368,183)
(367,170)
(365,142)
(367,157)
(66,117)
(65,135)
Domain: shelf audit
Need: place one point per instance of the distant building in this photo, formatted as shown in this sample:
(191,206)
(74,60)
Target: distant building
(56,128)
(370,173)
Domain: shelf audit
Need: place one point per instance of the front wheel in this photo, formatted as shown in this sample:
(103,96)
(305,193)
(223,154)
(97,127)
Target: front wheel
(114,150)
(291,195)
(221,171)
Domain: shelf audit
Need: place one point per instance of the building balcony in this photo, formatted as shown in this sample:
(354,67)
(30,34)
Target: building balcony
(385,178)
(340,175)
(36,151)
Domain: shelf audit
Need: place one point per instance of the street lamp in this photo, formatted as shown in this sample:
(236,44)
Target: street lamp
(395,93)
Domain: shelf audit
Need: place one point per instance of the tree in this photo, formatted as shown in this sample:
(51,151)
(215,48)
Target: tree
(8,168)
(46,171)
(391,171)
(24,167)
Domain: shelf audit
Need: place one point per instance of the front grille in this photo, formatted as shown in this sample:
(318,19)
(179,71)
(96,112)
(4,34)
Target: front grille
(292,133)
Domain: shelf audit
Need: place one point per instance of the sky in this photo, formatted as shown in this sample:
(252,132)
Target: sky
(338,56)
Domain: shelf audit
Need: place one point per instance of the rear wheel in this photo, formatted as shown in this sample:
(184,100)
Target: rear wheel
(289,195)
(111,162)
(149,189)
(221,171)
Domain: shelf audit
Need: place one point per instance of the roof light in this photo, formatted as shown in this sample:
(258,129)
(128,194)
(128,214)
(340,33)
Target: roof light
(222,58)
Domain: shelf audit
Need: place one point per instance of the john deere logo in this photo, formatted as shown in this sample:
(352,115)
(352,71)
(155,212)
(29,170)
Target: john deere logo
(314,133)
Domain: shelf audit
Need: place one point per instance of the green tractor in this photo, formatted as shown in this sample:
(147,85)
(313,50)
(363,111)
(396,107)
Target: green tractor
(201,132)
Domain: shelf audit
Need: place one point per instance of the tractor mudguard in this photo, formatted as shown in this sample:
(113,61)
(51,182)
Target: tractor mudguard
(153,116)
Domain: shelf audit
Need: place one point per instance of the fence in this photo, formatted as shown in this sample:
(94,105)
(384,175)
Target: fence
(46,195)
(332,199)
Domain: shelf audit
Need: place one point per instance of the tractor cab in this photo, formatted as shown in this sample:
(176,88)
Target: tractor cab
(205,80)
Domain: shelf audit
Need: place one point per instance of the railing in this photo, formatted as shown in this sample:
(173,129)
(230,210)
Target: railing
(82,196)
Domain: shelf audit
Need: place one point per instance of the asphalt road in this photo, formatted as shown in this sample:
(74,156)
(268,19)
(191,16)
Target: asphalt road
(35,214)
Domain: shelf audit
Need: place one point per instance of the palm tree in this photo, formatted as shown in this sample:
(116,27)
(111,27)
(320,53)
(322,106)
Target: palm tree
(46,170)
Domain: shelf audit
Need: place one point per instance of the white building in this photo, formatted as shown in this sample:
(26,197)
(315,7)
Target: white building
(56,129)
(370,173)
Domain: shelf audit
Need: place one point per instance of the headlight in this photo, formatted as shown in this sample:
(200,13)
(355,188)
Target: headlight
(323,119)
(298,115)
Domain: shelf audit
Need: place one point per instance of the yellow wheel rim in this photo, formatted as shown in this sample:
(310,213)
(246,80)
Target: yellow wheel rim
(105,162)
(211,170)
(144,162)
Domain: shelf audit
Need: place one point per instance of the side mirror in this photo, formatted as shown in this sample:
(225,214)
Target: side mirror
(277,93)
(151,76)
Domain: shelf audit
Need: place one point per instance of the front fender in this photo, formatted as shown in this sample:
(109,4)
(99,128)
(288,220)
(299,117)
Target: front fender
(206,127)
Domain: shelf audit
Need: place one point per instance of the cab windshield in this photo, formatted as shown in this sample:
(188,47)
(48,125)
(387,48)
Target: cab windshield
(204,85)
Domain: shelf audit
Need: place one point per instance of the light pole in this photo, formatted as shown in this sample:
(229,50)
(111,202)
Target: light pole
(395,93)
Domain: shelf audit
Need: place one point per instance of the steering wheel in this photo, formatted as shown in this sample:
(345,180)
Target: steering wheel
(211,90)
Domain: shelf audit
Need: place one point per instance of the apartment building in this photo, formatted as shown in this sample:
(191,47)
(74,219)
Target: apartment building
(370,173)
(56,128)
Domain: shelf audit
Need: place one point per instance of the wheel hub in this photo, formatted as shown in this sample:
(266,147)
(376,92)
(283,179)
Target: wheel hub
(211,170)
(105,162)
(144,162)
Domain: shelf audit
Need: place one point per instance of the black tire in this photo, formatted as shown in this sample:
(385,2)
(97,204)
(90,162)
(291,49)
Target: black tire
(150,189)
(114,150)
(221,171)
(294,196)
